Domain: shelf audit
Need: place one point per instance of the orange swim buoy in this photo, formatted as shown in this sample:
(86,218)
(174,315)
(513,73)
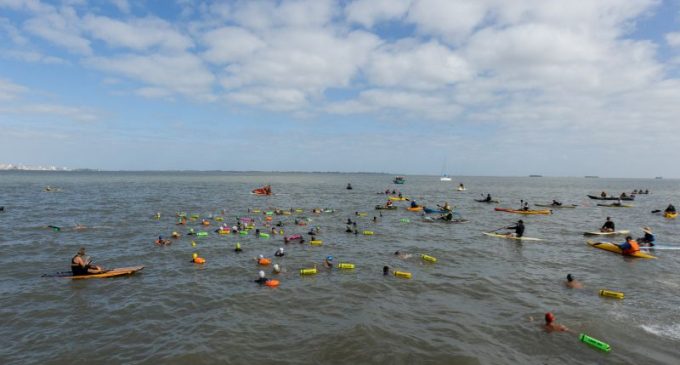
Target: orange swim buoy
(264,261)
(199,260)
(272,283)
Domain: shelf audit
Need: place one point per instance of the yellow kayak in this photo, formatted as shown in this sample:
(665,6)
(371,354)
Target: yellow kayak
(517,211)
(397,199)
(415,209)
(670,215)
(612,247)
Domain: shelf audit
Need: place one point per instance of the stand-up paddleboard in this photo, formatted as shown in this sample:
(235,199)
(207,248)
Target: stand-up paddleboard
(611,247)
(598,233)
(491,234)
(107,274)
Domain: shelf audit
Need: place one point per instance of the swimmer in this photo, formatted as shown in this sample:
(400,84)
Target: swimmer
(279,252)
(402,255)
(551,325)
(261,279)
(571,283)
(237,248)
(160,241)
(375,219)
(276,269)
(386,270)
(328,262)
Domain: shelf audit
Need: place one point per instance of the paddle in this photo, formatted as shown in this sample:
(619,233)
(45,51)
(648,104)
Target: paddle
(656,211)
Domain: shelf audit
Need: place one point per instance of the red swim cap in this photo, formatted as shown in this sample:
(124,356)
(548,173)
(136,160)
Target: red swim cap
(549,317)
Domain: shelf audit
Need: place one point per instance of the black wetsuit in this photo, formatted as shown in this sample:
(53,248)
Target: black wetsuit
(519,229)
(261,281)
(77,269)
(609,225)
(279,254)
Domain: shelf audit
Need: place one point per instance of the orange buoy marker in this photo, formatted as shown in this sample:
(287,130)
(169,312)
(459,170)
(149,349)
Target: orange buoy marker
(197,260)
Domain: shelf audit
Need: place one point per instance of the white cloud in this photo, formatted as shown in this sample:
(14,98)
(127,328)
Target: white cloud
(60,27)
(453,20)
(73,113)
(10,90)
(30,56)
(271,14)
(138,34)
(181,73)
(122,5)
(370,12)
(673,39)
(229,44)
(410,64)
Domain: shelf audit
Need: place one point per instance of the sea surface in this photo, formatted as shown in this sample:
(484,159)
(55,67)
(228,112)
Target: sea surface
(482,302)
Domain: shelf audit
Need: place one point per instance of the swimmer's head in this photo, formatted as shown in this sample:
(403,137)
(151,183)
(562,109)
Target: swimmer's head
(549,318)
(570,278)
(520,221)
(396,253)
(281,249)
(329,258)
(386,270)
(277,268)
(261,273)
(261,256)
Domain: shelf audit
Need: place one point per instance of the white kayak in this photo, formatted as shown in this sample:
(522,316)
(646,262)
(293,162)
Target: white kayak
(509,237)
(598,233)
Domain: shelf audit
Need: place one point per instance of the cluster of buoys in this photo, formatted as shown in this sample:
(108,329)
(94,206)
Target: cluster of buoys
(196,259)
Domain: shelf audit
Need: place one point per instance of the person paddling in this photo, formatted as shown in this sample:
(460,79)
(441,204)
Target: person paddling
(81,267)
(488,198)
(608,226)
(556,203)
(630,247)
(670,209)
(648,239)
(519,229)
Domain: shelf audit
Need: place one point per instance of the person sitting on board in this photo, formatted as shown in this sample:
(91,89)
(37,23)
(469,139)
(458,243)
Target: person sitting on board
(551,325)
(623,195)
(648,239)
(80,267)
(556,203)
(526,206)
(617,203)
(630,247)
(572,283)
(388,204)
(603,194)
(160,241)
(488,198)
(519,229)
(400,196)
(349,186)
(670,209)
(608,226)
(636,191)
(447,217)
(647,191)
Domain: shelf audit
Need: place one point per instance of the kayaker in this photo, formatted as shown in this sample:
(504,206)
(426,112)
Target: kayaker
(623,195)
(670,209)
(556,203)
(488,198)
(400,196)
(519,229)
(630,247)
(279,252)
(526,206)
(603,194)
(328,262)
(608,226)
(276,269)
(349,186)
(571,283)
(551,325)
(375,219)
(348,229)
(448,217)
(388,204)
(648,239)
(349,221)
(461,186)
(414,204)
(80,267)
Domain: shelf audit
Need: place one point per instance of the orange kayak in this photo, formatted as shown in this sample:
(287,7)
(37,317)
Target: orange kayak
(516,211)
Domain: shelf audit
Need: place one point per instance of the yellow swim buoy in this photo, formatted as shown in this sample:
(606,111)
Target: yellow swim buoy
(346,266)
(402,274)
(428,258)
(611,294)
(368,233)
(311,271)
(316,242)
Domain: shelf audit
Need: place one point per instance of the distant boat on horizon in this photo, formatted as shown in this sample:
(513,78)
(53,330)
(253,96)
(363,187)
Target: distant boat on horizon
(535,175)
(592,177)
(659,177)
(399,180)
(444,175)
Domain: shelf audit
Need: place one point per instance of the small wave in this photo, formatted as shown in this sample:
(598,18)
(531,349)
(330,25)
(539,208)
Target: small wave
(669,331)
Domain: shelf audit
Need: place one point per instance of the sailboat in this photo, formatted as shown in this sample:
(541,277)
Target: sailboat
(444,176)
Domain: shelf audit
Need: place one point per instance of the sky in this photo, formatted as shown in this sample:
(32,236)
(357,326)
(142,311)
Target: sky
(465,87)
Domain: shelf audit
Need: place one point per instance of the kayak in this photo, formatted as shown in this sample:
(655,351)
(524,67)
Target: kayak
(510,210)
(616,205)
(595,197)
(435,211)
(396,198)
(611,247)
(415,209)
(108,274)
(556,206)
(383,207)
(461,189)
(670,215)
(491,234)
(598,233)
(487,201)
(439,220)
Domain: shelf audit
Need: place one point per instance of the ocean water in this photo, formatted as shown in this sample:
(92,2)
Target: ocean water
(481,303)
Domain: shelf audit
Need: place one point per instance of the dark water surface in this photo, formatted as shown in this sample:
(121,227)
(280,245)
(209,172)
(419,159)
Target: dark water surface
(472,307)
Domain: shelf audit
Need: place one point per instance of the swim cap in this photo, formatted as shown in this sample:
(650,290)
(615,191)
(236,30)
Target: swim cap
(608,218)
(520,221)
(261,273)
(396,252)
(329,258)
(280,249)
(277,268)
(569,277)
(261,256)
(549,317)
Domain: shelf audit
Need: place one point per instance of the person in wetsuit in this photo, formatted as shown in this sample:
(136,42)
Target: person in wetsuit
(488,198)
(448,217)
(519,228)
(556,203)
(648,239)
(608,226)
(261,279)
(80,267)
(670,209)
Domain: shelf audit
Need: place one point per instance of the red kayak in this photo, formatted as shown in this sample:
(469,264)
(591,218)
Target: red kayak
(265,190)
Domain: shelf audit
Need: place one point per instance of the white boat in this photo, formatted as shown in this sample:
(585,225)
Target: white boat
(444,176)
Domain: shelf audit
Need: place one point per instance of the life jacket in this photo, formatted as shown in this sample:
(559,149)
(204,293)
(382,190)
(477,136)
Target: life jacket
(634,247)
